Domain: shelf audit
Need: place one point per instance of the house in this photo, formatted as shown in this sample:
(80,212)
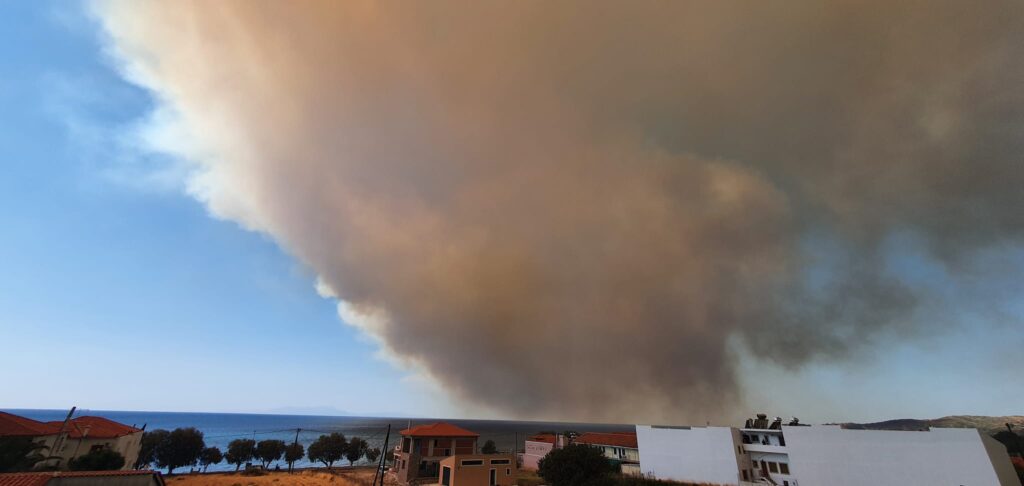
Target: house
(538,446)
(478,470)
(83,478)
(619,447)
(76,437)
(769,452)
(423,447)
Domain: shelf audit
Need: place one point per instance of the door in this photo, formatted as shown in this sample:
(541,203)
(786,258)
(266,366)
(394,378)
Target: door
(446,476)
(494,477)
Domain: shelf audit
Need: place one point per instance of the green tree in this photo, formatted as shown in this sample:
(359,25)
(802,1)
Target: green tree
(97,460)
(240,451)
(182,448)
(328,449)
(575,465)
(356,449)
(293,452)
(151,440)
(489,448)
(373,454)
(268,451)
(19,453)
(210,455)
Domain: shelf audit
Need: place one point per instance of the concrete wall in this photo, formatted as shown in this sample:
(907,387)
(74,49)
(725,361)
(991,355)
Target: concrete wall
(534,452)
(479,475)
(831,456)
(696,454)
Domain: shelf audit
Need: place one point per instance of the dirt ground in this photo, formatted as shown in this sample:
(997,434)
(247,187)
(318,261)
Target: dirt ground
(315,477)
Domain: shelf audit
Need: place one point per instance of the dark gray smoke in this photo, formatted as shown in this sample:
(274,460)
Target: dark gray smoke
(578,209)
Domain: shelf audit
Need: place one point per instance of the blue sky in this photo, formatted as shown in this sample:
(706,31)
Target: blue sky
(119,291)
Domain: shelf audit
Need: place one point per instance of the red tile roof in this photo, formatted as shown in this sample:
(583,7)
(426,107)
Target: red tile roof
(549,438)
(24,479)
(17,426)
(41,478)
(440,429)
(616,439)
(96,427)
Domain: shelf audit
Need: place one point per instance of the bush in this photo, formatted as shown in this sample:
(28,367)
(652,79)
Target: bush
(97,460)
(576,465)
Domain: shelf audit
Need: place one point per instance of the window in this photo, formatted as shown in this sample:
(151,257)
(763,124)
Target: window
(744,474)
(739,449)
(499,461)
(755,464)
(783,468)
(785,483)
(473,462)
(508,471)
(782,441)
(773,467)
(754,438)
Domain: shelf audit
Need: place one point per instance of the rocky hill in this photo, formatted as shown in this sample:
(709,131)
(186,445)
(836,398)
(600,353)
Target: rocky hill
(988,425)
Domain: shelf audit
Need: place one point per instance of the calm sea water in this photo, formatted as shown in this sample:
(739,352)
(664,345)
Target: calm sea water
(220,428)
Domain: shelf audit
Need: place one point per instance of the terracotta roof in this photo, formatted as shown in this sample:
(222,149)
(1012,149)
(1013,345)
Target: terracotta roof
(616,439)
(41,478)
(24,479)
(17,426)
(549,438)
(95,427)
(440,429)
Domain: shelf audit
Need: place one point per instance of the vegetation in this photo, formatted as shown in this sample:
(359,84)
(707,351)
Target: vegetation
(328,449)
(181,448)
(489,448)
(373,454)
(210,455)
(147,451)
(240,451)
(293,452)
(356,449)
(97,460)
(19,453)
(576,465)
(268,451)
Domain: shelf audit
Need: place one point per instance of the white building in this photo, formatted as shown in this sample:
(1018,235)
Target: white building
(619,447)
(791,455)
(711,455)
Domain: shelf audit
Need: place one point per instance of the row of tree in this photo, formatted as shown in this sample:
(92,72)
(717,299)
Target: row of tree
(185,447)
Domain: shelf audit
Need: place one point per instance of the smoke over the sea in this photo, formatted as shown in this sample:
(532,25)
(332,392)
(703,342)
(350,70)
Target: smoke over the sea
(582,209)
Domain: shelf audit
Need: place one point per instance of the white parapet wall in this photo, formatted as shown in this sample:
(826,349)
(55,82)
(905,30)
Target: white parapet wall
(832,456)
(696,454)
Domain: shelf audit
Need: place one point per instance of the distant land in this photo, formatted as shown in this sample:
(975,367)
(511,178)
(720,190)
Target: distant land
(988,425)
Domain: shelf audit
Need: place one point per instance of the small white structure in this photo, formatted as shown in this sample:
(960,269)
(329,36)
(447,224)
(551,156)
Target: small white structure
(841,457)
(766,453)
(712,455)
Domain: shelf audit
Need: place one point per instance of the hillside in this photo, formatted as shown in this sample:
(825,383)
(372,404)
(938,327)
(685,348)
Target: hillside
(988,425)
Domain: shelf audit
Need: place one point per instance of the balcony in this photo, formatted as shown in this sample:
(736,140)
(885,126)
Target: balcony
(777,449)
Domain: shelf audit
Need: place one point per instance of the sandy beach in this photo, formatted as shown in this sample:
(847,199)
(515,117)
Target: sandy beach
(308,477)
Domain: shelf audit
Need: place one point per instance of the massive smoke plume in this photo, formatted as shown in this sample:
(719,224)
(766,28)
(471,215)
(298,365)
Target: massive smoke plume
(580,209)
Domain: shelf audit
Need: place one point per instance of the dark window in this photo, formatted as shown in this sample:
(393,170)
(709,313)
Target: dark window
(473,462)
(773,467)
(755,464)
(783,468)
(754,438)
(508,471)
(785,483)
(499,461)
(744,474)
(782,441)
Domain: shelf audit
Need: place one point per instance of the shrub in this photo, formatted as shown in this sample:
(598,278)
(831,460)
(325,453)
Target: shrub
(97,460)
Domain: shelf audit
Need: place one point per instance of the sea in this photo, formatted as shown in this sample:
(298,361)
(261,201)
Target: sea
(221,428)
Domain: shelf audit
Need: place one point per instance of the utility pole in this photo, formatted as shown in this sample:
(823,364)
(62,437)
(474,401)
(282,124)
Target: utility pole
(290,464)
(381,461)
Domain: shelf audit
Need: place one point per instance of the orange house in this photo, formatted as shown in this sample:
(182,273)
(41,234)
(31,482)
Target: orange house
(478,470)
(423,447)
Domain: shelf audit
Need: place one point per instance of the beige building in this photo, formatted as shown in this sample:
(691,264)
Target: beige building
(423,447)
(478,470)
(76,437)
